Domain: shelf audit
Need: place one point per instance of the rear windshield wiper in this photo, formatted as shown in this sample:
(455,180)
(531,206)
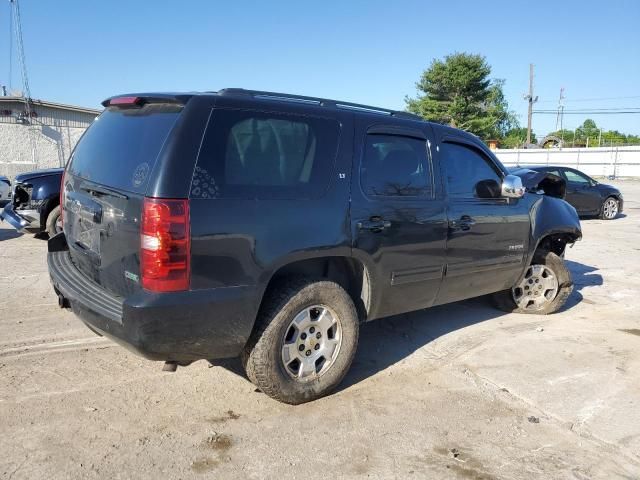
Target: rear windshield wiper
(104,191)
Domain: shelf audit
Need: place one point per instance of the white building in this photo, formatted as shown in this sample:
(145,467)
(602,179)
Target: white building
(43,139)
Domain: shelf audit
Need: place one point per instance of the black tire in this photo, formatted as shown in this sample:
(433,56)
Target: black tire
(262,355)
(602,214)
(504,300)
(52,220)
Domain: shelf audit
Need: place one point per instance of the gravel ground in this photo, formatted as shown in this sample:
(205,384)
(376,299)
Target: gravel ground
(458,391)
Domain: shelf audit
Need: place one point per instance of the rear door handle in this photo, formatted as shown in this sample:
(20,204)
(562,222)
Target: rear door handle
(464,223)
(375,224)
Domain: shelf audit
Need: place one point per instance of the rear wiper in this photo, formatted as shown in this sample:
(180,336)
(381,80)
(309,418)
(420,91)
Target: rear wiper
(104,191)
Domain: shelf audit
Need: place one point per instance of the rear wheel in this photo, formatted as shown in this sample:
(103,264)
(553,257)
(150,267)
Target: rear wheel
(610,208)
(54,222)
(544,289)
(304,342)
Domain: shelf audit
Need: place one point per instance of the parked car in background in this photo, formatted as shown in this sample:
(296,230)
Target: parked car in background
(5,190)
(35,203)
(588,196)
(269,226)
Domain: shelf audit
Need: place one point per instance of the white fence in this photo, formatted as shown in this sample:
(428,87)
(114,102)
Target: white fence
(599,162)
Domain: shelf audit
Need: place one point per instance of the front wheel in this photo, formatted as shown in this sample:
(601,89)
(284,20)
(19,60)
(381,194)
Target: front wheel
(544,289)
(610,209)
(304,340)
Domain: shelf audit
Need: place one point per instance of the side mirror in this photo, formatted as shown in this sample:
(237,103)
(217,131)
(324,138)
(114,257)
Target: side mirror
(488,189)
(512,187)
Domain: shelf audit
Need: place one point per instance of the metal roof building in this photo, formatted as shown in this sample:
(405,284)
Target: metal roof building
(40,136)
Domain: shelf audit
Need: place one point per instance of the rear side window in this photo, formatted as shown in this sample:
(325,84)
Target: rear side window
(465,167)
(121,147)
(395,166)
(575,177)
(250,154)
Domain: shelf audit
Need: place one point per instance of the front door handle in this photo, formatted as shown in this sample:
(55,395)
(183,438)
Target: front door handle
(464,223)
(375,224)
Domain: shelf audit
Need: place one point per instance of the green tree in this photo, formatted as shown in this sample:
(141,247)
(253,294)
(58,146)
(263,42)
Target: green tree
(589,130)
(516,138)
(458,91)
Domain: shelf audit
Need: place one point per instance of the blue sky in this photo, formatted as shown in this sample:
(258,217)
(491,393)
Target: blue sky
(81,51)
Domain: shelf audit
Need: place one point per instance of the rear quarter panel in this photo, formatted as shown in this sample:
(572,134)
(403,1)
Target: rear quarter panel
(244,241)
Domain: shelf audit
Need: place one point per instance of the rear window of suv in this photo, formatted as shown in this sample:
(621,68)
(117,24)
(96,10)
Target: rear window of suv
(251,154)
(121,147)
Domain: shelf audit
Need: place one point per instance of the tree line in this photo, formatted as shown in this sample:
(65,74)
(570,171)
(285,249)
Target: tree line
(459,91)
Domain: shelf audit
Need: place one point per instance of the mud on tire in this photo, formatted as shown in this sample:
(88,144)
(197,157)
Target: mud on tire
(52,219)
(283,301)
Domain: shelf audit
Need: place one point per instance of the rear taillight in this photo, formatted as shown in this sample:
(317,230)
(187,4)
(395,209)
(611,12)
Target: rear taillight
(62,199)
(165,245)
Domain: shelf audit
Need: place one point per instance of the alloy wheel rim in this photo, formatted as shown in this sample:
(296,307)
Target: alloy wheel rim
(610,208)
(58,224)
(537,289)
(311,343)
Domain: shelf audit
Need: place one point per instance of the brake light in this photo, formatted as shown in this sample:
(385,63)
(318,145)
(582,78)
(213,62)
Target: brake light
(165,245)
(62,199)
(126,101)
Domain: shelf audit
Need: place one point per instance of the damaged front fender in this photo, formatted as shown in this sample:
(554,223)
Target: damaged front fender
(554,225)
(10,216)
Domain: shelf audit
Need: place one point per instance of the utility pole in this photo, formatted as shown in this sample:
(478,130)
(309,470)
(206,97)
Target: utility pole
(530,98)
(560,116)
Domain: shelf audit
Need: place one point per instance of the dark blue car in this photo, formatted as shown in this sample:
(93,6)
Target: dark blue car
(588,196)
(5,190)
(35,202)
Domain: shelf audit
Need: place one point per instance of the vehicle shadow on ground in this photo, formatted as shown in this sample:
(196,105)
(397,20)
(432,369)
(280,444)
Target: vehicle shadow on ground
(8,234)
(583,276)
(596,217)
(390,340)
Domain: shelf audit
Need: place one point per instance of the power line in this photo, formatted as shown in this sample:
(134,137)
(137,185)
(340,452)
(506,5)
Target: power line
(594,99)
(566,112)
(591,109)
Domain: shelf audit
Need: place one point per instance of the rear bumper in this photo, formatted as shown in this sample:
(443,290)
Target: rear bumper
(180,326)
(22,220)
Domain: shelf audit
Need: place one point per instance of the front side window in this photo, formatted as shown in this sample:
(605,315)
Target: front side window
(395,166)
(464,168)
(575,177)
(260,154)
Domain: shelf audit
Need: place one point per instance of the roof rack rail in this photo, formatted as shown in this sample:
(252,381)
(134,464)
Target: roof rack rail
(324,102)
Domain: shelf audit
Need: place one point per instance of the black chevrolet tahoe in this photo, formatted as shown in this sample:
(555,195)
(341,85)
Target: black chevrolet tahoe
(269,226)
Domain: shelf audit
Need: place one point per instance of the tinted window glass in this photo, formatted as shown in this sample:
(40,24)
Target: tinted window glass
(258,154)
(120,148)
(464,168)
(395,166)
(575,177)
